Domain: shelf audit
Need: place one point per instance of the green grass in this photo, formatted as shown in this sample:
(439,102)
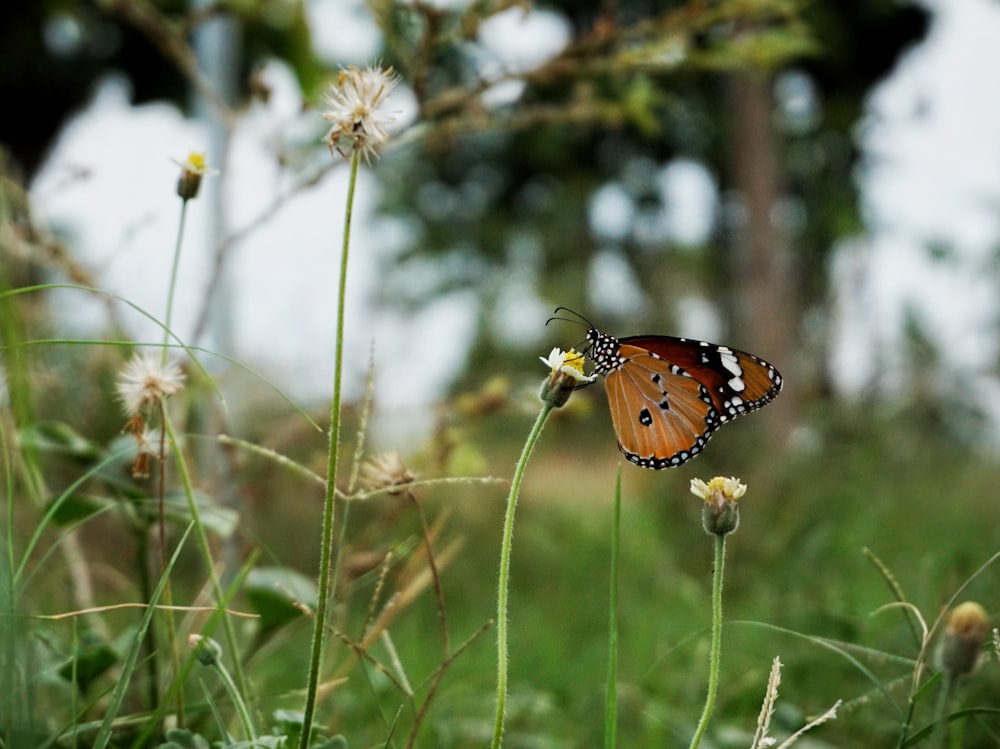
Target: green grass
(878,510)
(798,581)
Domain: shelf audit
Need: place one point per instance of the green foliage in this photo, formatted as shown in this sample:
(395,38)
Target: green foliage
(799,585)
(91,661)
(182,739)
(850,545)
(278,594)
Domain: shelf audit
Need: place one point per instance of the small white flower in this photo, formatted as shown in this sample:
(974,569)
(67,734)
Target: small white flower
(720,489)
(569,363)
(354,106)
(565,376)
(195,164)
(145,381)
(555,359)
(192,170)
(721,513)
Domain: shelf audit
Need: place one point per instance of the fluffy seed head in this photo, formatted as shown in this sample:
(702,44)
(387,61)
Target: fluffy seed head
(355,107)
(145,381)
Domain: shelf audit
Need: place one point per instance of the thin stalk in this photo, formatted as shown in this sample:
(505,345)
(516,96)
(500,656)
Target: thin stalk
(168,593)
(326,542)
(142,538)
(941,718)
(504,581)
(8,594)
(904,734)
(173,282)
(715,657)
(442,617)
(238,702)
(611,691)
(205,549)
(143,737)
(74,675)
(435,574)
(8,476)
(127,667)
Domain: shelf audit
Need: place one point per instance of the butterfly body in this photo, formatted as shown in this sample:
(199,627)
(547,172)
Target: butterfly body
(668,395)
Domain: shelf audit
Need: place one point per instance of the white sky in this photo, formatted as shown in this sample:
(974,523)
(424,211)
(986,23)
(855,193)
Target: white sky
(932,175)
(932,138)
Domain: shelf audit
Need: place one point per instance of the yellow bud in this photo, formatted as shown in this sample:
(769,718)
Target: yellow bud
(721,514)
(965,632)
(193,169)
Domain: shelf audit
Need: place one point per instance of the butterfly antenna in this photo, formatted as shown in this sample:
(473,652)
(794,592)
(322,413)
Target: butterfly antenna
(577,318)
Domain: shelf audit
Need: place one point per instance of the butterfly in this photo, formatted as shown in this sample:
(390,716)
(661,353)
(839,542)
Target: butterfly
(668,395)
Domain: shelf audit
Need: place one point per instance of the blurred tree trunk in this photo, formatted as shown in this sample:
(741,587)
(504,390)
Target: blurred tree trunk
(764,311)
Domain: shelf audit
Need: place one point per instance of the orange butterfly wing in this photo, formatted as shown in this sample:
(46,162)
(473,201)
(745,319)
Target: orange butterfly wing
(661,415)
(668,395)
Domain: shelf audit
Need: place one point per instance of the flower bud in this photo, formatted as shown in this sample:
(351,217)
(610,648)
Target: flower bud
(192,171)
(207,650)
(965,632)
(721,514)
(565,376)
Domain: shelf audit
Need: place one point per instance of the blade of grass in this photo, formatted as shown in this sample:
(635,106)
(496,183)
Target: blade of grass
(148,315)
(54,508)
(131,657)
(842,649)
(611,694)
(142,740)
(139,344)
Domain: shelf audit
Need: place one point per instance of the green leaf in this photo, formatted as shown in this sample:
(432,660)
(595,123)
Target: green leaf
(183,739)
(60,438)
(93,659)
(335,742)
(290,723)
(221,521)
(77,507)
(263,742)
(273,593)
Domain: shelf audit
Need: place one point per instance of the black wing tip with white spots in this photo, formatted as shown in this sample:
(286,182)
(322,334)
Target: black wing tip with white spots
(658,464)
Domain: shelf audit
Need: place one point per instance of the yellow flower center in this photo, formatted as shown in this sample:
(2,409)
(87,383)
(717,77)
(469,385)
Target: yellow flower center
(719,489)
(196,160)
(574,359)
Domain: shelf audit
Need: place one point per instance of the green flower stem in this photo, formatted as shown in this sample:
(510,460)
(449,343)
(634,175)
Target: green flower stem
(238,701)
(326,548)
(168,593)
(715,657)
(945,696)
(175,656)
(504,583)
(611,693)
(173,281)
(8,596)
(206,551)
